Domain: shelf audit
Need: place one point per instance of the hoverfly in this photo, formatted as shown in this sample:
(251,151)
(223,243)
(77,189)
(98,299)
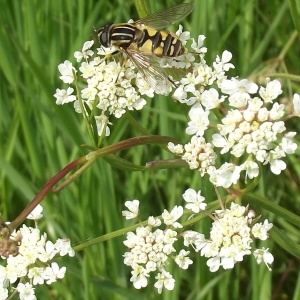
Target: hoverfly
(143,43)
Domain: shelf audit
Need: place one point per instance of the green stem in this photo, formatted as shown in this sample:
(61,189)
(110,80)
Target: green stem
(211,207)
(108,236)
(142,140)
(295,14)
(83,110)
(106,151)
(285,76)
(288,45)
(142,7)
(135,124)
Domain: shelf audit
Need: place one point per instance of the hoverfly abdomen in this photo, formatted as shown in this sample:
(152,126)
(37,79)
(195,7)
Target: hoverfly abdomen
(172,46)
(156,40)
(147,43)
(160,43)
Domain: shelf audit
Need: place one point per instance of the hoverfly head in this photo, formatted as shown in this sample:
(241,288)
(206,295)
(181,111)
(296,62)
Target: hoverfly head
(104,35)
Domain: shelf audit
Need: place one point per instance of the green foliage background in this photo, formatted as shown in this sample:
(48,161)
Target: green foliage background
(38,138)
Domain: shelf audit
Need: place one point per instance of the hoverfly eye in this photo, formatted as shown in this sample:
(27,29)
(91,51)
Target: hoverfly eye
(104,35)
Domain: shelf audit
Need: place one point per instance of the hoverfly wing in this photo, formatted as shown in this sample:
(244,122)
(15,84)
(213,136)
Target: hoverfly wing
(154,76)
(166,17)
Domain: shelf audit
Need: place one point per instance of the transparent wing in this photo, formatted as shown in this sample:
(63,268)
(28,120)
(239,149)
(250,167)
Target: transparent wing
(154,76)
(167,17)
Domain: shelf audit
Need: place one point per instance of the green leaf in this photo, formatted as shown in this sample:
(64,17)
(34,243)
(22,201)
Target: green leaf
(274,208)
(285,242)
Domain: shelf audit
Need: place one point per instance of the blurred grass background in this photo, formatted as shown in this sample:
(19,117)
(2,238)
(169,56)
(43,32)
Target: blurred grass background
(38,138)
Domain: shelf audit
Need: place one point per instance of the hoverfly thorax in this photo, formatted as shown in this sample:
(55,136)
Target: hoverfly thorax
(118,35)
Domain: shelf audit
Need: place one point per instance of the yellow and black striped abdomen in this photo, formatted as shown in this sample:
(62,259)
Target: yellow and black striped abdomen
(160,43)
(143,39)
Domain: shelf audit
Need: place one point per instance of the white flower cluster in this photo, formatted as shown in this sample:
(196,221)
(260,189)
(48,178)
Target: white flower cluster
(252,128)
(250,125)
(231,236)
(255,126)
(152,248)
(32,265)
(110,86)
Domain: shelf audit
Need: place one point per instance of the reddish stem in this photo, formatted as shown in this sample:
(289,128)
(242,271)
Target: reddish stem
(44,191)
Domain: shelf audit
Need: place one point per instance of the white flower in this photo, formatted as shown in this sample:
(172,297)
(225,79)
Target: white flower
(143,86)
(228,262)
(230,121)
(263,114)
(33,249)
(197,46)
(176,149)
(170,218)
(238,86)
(3,293)
(220,141)
(199,155)
(182,259)
(296,104)
(277,165)
(102,124)
(53,272)
(223,62)
(184,36)
(154,222)
(199,120)
(139,277)
(211,99)
(26,291)
(85,52)
(63,247)
(164,279)
(238,100)
(67,71)
(148,250)
(195,200)
(180,94)
(37,275)
(193,237)
(102,51)
(271,92)
(36,214)
(230,237)
(287,144)
(64,96)
(260,230)
(265,256)
(133,207)
(48,252)
(3,275)
(214,264)
(89,94)
(251,167)
(226,175)
(277,111)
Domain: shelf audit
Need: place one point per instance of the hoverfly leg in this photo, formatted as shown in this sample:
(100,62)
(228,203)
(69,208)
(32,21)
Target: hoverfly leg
(123,65)
(173,82)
